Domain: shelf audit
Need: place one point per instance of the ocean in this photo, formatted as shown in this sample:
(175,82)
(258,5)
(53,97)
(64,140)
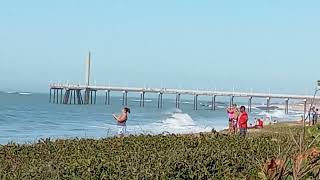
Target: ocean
(27,118)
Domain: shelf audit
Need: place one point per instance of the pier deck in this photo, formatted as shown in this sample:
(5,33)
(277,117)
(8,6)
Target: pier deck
(73,95)
(182,91)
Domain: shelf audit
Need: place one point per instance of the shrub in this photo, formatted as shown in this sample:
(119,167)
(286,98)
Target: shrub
(202,156)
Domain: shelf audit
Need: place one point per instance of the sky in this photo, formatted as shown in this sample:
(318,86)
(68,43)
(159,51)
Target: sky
(248,45)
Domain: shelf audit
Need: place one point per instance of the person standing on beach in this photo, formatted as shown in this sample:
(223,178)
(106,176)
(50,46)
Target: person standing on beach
(235,119)
(315,115)
(231,113)
(121,121)
(310,114)
(243,121)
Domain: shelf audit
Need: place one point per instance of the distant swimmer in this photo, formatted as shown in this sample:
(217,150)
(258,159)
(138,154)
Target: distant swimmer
(121,121)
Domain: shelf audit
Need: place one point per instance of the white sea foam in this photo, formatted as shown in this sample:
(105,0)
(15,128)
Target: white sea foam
(25,93)
(186,102)
(280,114)
(20,93)
(182,123)
(138,100)
(179,121)
(174,121)
(221,107)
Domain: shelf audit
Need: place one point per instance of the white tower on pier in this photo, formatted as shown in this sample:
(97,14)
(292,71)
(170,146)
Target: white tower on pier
(88,67)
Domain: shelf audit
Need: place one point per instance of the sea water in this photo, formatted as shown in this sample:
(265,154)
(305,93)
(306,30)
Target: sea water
(26,118)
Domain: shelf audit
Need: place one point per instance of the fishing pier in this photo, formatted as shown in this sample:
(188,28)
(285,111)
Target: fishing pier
(87,94)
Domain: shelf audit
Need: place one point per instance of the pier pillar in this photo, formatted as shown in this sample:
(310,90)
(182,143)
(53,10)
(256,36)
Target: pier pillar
(124,98)
(195,102)
(86,96)
(268,104)
(74,96)
(95,97)
(54,96)
(108,98)
(50,95)
(76,92)
(286,108)
(57,102)
(142,99)
(61,92)
(91,97)
(160,100)
(58,98)
(78,96)
(213,103)
(81,100)
(231,100)
(250,104)
(177,101)
(71,96)
(71,92)
(67,95)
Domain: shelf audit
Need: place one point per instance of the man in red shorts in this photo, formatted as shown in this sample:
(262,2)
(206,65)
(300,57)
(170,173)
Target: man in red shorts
(243,121)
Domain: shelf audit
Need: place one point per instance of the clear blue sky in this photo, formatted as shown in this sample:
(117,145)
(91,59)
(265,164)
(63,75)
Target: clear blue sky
(257,44)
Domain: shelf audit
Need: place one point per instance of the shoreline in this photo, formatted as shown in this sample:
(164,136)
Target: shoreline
(285,123)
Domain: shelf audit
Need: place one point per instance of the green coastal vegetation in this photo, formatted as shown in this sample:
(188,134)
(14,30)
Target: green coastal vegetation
(276,152)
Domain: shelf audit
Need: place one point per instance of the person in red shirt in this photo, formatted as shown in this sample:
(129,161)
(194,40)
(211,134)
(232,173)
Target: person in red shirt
(243,121)
(259,124)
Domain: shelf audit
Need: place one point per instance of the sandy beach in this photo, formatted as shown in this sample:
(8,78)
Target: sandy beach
(267,127)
